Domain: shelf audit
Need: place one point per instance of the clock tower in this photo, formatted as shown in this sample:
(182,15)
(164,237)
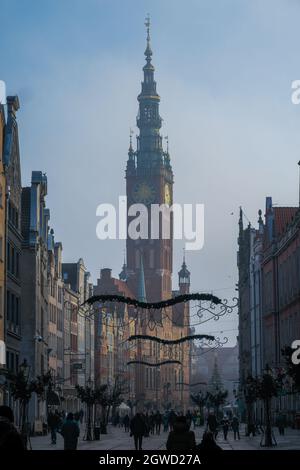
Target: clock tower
(149,180)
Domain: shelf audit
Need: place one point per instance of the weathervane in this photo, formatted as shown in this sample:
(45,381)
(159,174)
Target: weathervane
(147,24)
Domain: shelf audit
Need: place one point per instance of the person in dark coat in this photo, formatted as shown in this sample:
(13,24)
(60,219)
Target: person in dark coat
(189,417)
(208,443)
(137,430)
(147,424)
(172,417)
(158,421)
(126,422)
(165,420)
(225,427)
(281,424)
(70,432)
(181,438)
(212,424)
(235,424)
(152,422)
(10,440)
(54,425)
(81,413)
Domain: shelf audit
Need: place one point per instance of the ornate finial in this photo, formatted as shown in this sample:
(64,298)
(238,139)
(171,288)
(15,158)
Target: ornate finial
(130,138)
(183,249)
(147,24)
(148,51)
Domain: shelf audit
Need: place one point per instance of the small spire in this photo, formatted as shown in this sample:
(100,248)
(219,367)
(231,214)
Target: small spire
(123,273)
(241,219)
(130,138)
(130,150)
(260,222)
(184,273)
(141,284)
(148,51)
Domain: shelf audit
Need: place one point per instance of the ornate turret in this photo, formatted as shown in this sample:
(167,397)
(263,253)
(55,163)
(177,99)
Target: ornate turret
(184,277)
(123,273)
(149,143)
(260,223)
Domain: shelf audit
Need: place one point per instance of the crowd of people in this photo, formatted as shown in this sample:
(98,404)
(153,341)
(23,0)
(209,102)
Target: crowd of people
(181,437)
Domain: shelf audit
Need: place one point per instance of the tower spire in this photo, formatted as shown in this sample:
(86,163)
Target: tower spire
(141,285)
(148,51)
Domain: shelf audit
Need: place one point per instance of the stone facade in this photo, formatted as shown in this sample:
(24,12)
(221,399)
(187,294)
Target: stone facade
(269,279)
(14,314)
(55,308)
(78,278)
(70,371)
(34,276)
(2,245)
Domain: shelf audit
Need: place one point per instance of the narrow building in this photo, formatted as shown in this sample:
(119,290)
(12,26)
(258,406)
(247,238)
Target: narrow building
(13,312)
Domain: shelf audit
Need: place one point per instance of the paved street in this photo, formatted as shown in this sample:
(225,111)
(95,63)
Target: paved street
(117,439)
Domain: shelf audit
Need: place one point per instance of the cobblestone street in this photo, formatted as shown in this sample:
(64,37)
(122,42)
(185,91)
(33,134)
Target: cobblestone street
(117,439)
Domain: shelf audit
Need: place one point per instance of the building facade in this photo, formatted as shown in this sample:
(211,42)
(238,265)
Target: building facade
(72,362)
(269,296)
(13,312)
(34,276)
(55,309)
(76,275)
(2,246)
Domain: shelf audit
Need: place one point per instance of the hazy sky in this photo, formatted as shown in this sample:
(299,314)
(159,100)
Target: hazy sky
(223,70)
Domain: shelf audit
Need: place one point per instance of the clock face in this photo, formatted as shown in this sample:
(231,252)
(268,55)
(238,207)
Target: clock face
(143,193)
(167,194)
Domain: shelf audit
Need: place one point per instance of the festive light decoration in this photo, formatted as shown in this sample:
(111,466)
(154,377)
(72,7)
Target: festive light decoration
(155,364)
(155,305)
(171,341)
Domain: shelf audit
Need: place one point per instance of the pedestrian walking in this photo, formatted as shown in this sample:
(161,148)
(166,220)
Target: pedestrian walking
(126,422)
(212,424)
(189,418)
(165,420)
(70,432)
(54,424)
(10,439)
(281,424)
(181,438)
(158,421)
(235,424)
(225,426)
(194,419)
(81,413)
(152,422)
(137,430)
(172,417)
